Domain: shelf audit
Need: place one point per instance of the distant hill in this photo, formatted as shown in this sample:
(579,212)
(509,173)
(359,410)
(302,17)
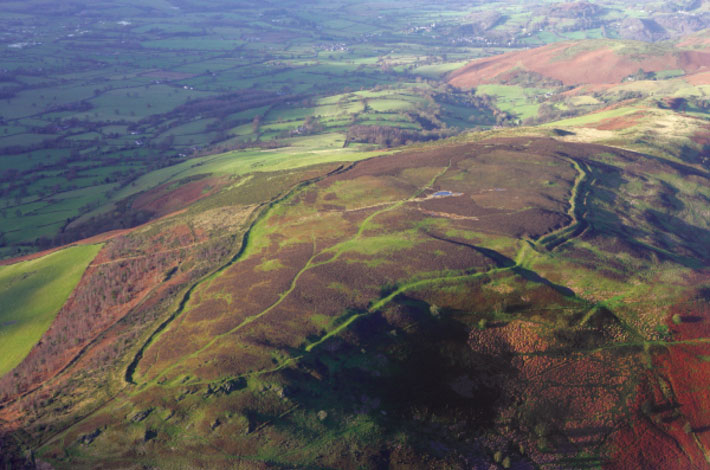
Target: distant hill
(584,63)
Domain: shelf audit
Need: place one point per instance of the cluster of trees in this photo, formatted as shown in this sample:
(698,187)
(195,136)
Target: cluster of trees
(312,125)
(387,136)
(548,112)
(222,106)
(683,104)
(123,216)
(529,79)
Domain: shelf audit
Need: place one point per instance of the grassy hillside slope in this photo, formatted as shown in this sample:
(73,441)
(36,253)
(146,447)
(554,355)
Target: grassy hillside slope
(31,294)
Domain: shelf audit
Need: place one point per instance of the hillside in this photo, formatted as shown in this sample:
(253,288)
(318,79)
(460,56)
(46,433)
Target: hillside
(308,236)
(468,271)
(583,78)
(601,62)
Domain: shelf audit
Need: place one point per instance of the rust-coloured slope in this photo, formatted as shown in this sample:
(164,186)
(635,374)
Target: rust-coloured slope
(589,66)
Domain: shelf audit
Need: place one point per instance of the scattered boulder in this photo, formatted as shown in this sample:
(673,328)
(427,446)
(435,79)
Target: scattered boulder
(141,415)
(87,439)
(282,392)
(227,387)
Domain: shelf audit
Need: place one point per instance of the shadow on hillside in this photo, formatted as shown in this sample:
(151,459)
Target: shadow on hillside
(410,371)
(693,238)
(657,235)
(503,261)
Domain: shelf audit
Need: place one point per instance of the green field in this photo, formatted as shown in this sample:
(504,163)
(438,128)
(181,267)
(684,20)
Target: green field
(31,294)
(523,103)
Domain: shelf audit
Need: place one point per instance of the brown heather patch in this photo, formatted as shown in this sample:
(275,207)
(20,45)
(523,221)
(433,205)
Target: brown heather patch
(351,272)
(702,136)
(285,332)
(437,255)
(208,310)
(457,205)
(475,300)
(167,350)
(165,199)
(232,356)
(124,287)
(619,123)
(403,219)
(314,295)
(570,401)
(598,66)
(367,192)
(699,78)
(529,223)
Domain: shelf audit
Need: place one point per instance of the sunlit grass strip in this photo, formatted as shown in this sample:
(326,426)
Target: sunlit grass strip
(31,295)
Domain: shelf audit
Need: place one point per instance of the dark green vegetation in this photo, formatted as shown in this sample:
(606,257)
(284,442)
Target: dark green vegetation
(304,260)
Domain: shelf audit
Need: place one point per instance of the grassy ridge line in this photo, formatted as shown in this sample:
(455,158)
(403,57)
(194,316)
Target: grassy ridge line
(31,295)
(246,243)
(236,163)
(245,322)
(576,201)
(309,264)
